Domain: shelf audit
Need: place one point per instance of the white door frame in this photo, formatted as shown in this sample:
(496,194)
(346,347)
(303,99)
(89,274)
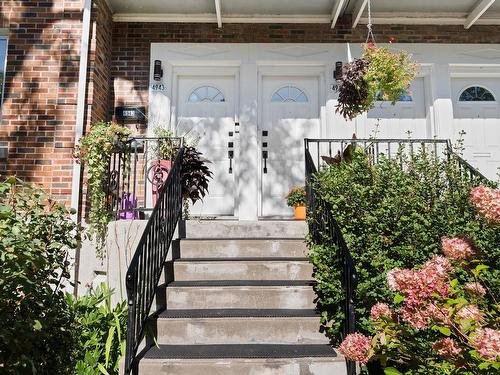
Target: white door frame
(286,70)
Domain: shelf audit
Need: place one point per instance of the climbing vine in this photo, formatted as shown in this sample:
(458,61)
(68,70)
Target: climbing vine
(94,151)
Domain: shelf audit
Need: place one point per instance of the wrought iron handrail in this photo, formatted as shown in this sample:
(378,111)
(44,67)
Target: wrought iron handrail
(137,170)
(324,229)
(148,261)
(471,172)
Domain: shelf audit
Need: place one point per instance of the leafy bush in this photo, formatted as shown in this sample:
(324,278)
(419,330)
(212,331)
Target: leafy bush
(101,332)
(296,196)
(42,329)
(393,214)
(36,235)
(442,319)
(94,152)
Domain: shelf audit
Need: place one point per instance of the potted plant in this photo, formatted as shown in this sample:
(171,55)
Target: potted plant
(94,151)
(296,198)
(378,72)
(163,152)
(194,175)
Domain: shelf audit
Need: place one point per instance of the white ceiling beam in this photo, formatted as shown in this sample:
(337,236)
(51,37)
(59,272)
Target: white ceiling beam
(337,8)
(425,18)
(228,18)
(359,7)
(477,12)
(218,12)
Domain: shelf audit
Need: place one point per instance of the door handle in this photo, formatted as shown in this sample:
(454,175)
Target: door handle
(264,157)
(230,155)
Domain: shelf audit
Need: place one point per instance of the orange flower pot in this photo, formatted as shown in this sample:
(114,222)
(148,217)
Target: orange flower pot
(299,212)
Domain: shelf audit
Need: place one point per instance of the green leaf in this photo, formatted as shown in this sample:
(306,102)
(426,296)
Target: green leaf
(102,369)
(398,298)
(109,342)
(37,326)
(444,330)
(391,371)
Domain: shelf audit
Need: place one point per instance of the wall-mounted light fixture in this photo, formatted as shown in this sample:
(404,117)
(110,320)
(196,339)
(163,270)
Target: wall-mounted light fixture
(337,73)
(157,71)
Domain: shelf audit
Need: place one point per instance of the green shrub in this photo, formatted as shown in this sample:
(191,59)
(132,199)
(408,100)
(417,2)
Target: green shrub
(36,234)
(393,215)
(42,329)
(101,332)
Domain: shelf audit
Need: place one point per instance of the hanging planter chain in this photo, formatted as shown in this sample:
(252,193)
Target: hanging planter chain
(370,37)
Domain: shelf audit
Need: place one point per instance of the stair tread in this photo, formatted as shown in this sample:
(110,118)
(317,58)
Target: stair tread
(245,259)
(196,239)
(239,351)
(201,283)
(238,313)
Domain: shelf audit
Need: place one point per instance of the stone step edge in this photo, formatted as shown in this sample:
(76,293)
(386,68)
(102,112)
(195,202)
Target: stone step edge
(237,313)
(248,351)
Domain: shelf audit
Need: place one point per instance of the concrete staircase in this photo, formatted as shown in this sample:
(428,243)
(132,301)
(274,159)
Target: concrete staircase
(241,302)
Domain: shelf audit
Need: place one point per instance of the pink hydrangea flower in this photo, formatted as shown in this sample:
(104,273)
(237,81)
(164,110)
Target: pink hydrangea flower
(420,287)
(487,343)
(378,310)
(356,347)
(475,288)
(446,348)
(469,312)
(487,202)
(459,248)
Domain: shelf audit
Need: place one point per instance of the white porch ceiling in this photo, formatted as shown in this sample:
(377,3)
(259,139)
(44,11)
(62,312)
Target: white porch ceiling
(446,12)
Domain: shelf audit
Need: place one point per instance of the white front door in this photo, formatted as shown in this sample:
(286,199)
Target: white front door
(289,113)
(476,111)
(206,106)
(405,119)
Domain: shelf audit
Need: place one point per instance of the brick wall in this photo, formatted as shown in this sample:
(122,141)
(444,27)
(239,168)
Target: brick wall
(40,91)
(39,110)
(131,43)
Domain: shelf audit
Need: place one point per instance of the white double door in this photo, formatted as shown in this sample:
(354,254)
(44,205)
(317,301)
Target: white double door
(287,112)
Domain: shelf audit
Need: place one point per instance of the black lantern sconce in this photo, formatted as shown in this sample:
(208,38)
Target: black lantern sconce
(337,73)
(157,71)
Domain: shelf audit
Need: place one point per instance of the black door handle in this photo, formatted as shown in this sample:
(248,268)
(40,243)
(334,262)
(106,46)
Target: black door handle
(230,155)
(264,156)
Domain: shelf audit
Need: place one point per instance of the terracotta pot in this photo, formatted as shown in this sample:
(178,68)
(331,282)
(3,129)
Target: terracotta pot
(299,212)
(158,173)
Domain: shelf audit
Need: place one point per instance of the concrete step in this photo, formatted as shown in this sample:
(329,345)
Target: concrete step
(220,229)
(242,360)
(237,248)
(239,326)
(248,294)
(243,269)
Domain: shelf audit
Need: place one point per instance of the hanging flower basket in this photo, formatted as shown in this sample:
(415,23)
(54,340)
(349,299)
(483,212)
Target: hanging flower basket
(378,71)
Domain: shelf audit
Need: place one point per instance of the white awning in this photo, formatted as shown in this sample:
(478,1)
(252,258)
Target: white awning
(419,12)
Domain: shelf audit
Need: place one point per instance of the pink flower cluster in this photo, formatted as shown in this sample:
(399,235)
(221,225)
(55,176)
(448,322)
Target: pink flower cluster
(487,201)
(469,312)
(378,310)
(420,287)
(487,343)
(475,288)
(446,348)
(356,347)
(459,248)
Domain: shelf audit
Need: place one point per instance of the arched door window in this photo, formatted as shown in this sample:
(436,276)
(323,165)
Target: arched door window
(476,94)
(289,94)
(206,94)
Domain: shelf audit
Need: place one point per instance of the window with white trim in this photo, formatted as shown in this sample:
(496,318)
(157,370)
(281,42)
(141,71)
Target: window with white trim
(206,94)
(3,63)
(289,94)
(476,94)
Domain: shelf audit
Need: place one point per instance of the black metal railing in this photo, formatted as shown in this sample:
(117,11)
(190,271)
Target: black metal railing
(466,169)
(148,261)
(137,170)
(324,230)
